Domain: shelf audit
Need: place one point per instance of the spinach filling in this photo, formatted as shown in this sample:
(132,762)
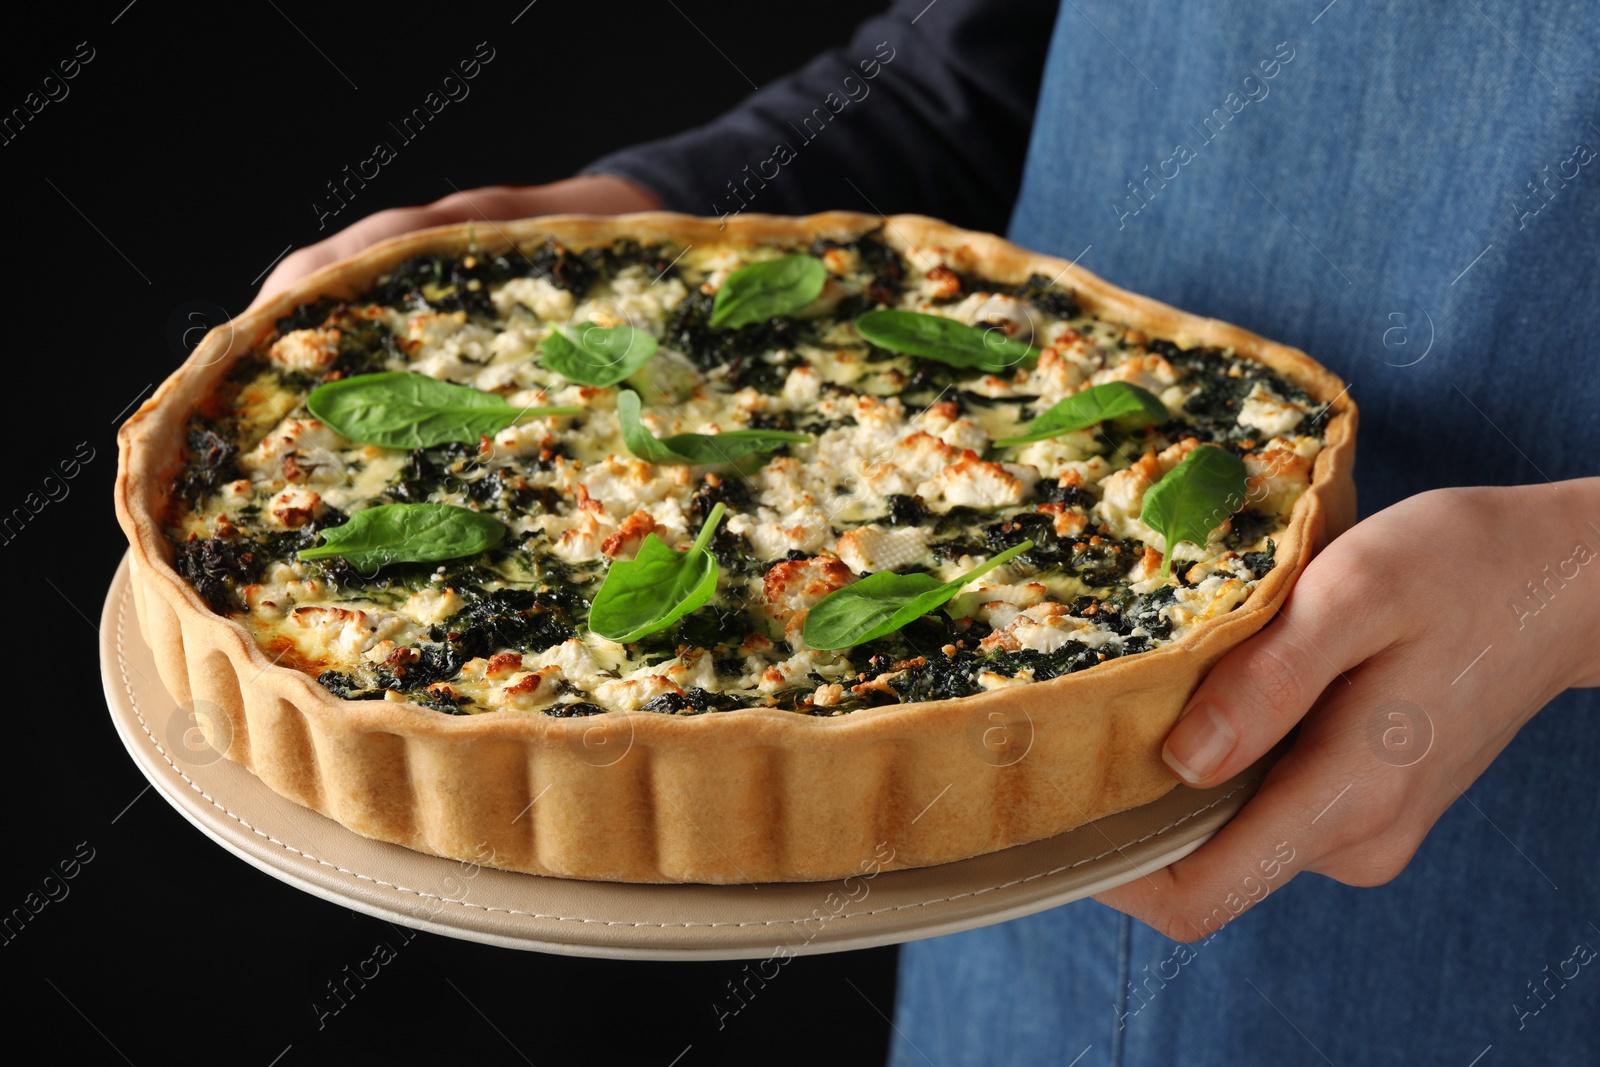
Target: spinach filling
(519,597)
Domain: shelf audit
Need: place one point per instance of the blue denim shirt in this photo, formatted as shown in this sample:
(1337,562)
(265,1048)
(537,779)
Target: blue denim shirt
(1410,192)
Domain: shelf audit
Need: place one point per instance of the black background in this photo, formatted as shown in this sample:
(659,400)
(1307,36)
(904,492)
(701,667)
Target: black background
(182,162)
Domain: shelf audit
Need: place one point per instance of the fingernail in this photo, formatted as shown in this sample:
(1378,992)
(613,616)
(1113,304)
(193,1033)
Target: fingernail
(1198,744)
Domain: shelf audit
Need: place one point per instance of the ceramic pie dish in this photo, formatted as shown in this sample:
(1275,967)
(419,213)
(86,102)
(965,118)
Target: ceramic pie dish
(755,794)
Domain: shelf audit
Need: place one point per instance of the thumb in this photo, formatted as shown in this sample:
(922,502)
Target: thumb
(1257,692)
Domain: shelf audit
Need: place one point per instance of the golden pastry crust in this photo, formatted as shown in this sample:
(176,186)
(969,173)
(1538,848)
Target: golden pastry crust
(758,794)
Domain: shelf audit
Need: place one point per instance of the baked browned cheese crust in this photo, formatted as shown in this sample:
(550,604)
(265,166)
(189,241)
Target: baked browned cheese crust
(396,527)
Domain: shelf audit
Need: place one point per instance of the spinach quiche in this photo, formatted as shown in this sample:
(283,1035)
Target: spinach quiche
(667,549)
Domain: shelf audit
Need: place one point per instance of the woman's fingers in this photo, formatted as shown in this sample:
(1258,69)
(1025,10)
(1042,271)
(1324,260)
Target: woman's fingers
(1335,804)
(347,242)
(1256,693)
(1371,656)
(1306,659)
(595,194)
(1255,854)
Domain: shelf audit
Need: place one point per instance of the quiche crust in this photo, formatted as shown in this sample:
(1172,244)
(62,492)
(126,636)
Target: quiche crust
(752,795)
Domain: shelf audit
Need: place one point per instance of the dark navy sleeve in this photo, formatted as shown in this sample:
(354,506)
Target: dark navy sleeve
(927,109)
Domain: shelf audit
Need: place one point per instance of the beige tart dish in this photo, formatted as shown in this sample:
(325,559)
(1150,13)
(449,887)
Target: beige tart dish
(664,549)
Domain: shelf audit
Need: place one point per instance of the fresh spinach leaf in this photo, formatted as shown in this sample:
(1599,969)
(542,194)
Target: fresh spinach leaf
(694,447)
(1127,404)
(596,355)
(657,587)
(408,533)
(398,409)
(935,337)
(882,603)
(1193,499)
(763,290)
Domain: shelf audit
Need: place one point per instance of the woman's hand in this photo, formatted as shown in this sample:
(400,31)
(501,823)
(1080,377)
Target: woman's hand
(1410,652)
(592,194)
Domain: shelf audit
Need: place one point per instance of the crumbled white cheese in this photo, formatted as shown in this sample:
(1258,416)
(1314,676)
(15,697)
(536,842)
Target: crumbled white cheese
(801,523)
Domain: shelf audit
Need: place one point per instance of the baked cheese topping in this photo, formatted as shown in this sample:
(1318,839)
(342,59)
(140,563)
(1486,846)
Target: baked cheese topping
(900,474)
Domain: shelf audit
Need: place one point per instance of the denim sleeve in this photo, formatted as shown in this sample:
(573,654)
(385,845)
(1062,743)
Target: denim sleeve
(927,109)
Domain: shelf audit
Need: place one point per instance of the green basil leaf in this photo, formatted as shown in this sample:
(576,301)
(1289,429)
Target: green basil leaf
(596,355)
(1193,499)
(1125,403)
(408,533)
(935,337)
(657,587)
(398,409)
(694,447)
(882,603)
(775,287)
